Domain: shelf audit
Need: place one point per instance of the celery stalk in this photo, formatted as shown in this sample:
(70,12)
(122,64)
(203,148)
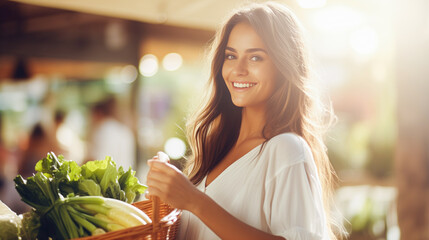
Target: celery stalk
(83,222)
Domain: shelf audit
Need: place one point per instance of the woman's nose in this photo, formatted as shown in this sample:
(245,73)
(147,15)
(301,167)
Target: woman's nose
(240,67)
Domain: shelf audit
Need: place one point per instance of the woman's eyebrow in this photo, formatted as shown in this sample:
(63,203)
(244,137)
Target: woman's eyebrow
(250,50)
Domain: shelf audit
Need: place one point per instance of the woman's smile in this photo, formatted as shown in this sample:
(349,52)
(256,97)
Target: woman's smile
(243,85)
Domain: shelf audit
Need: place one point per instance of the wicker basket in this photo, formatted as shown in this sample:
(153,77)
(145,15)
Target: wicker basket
(165,222)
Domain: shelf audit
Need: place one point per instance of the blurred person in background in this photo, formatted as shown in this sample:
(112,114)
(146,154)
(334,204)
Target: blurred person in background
(259,168)
(60,148)
(110,137)
(39,145)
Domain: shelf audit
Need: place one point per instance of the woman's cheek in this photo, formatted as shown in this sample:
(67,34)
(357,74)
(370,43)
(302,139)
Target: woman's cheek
(225,71)
(225,74)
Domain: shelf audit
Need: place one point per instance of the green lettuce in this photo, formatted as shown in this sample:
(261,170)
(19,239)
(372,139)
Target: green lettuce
(94,178)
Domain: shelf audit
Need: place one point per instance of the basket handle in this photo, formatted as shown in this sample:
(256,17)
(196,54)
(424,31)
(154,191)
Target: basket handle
(155,216)
(155,201)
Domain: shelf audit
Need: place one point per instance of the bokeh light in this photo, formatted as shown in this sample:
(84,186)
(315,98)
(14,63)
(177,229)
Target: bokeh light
(172,61)
(148,65)
(175,147)
(128,74)
(364,41)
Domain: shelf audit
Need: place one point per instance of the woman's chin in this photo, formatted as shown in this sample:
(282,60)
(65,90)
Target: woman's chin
(238,104)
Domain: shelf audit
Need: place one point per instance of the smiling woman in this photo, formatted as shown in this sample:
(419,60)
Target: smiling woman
(259,168)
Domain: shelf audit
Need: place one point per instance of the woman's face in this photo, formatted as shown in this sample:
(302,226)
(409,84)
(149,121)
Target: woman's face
(248,71)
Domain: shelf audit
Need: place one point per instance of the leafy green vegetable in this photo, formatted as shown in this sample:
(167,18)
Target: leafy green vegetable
(30,225)
(94,178)
(130,184)
(30,191)
(89,187)
(109,182)
(52,190)
(9,223)
(39,192)
(113,182)
(95,169)
(66,173)
(8,229)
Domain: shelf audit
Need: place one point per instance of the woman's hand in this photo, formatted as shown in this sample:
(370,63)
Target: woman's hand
(169,184)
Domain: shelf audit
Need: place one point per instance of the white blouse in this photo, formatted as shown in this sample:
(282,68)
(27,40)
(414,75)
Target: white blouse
(277,191)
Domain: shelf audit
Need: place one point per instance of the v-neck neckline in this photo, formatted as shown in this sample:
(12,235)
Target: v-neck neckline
(226,170)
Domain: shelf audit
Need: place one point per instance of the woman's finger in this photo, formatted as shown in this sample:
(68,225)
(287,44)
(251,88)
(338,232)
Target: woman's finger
(157,165)
(153,158)
(157,176)
(163,157)
(153,191)
(162,166)
(159,184)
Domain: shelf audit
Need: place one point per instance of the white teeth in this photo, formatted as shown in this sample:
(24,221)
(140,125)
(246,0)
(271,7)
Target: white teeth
(243,85)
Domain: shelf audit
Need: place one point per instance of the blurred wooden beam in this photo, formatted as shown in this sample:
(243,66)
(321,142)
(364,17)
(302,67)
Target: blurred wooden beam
(412,152)
(88,42)
(34,31)
(51,22)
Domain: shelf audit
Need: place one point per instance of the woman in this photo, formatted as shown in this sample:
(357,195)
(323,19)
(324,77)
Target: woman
(259,168)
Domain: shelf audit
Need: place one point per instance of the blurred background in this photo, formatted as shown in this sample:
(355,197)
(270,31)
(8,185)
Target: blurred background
(74,73)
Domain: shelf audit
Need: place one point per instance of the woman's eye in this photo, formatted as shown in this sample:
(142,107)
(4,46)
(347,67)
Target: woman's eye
(229,57)
(256,58)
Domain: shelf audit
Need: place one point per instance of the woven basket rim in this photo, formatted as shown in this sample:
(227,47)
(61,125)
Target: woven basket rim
(168,219)
(173,217)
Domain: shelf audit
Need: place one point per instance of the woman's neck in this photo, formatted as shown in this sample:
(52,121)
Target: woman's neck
(252,123)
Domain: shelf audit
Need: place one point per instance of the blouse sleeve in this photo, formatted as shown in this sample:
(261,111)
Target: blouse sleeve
(293,203)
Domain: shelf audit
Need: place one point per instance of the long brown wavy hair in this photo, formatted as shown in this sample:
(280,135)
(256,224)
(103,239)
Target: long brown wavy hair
(293,107)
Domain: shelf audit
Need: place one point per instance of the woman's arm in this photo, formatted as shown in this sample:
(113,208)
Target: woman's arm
(171,186)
